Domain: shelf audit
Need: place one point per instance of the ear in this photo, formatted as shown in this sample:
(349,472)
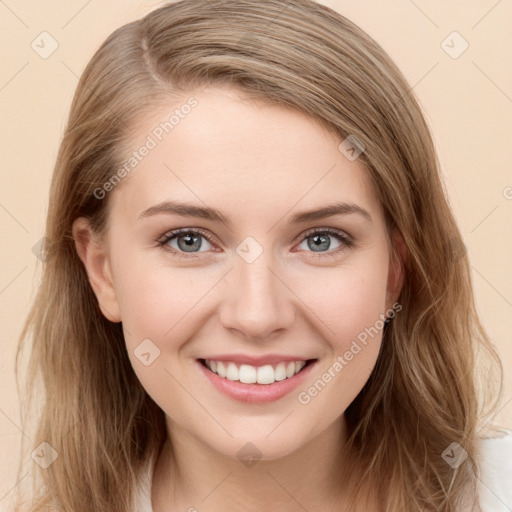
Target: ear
(95,258)
(396,269)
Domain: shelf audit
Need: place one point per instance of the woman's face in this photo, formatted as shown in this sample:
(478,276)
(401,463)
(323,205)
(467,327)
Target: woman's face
(261,282)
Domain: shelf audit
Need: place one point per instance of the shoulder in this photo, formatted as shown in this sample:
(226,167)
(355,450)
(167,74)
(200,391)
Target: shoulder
(495,466)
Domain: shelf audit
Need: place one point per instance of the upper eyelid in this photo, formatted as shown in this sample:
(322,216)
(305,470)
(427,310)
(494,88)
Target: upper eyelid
(326,230)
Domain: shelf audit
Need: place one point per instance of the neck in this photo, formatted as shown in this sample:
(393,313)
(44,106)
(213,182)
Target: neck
(189,475)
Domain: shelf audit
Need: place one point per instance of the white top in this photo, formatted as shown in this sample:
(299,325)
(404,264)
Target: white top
(495,483)
(494,486)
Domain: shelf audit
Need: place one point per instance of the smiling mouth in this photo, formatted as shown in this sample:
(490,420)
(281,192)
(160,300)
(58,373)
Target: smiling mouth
(248,374)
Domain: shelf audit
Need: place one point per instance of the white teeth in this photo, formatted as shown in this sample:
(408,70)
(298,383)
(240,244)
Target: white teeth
(266,374)
(232,372)
(220,369)
(248,374)
(280,372)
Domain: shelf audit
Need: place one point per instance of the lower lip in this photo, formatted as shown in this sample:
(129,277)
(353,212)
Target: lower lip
(256,393)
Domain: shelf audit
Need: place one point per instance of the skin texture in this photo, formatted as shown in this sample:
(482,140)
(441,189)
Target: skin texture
(258,164)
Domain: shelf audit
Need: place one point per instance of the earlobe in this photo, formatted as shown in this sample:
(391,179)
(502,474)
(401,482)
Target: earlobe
(94,256)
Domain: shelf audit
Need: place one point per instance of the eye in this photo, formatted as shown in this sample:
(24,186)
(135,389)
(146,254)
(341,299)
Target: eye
(188,241)
(185,241)
(318,241)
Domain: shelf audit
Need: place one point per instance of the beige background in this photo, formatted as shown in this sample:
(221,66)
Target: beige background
(467,101)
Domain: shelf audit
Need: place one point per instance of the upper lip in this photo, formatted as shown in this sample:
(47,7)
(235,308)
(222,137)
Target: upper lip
(256,360)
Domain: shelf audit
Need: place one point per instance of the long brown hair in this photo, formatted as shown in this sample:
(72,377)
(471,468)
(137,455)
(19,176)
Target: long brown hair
(423,394)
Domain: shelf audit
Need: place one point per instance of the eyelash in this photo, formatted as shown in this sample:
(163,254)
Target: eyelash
(347,241)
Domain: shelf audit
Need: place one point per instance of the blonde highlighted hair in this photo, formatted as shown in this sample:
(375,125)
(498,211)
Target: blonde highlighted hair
(424,392)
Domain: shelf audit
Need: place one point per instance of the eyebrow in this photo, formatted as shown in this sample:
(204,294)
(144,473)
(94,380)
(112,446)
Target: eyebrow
(189,210)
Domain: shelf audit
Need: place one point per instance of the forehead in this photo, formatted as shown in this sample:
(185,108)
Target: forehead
(230,151)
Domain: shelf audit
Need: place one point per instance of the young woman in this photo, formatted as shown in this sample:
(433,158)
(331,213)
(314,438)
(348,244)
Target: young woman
(255,294)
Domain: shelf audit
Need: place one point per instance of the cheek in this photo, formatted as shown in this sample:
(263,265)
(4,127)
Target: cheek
(346,300)
(348,305)
(155,299)
(354,340)
(159,308)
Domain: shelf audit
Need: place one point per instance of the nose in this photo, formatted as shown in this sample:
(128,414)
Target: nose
(258,302)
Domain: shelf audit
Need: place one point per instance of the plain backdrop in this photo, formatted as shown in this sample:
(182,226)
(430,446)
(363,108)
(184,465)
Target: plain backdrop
(455,55)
